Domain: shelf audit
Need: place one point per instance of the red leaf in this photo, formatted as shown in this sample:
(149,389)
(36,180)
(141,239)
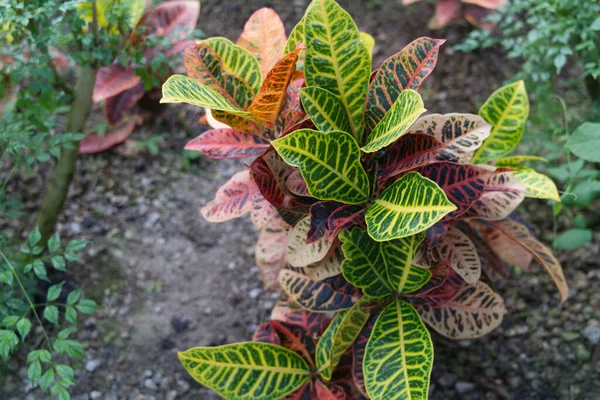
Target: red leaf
(444,283)
(433,234)
(462,183)
(297,185)
(295,338)
(502,194)
(228,143)
(268,102)
(270,253)
(266,333)
(410,151)
(262,211)
(94,143)
(264,37)
(313,323)
(319,216)
(404,70)
(266,182)
(173,19)
(118,107)
(446,11)
(112,80)
(344,218)
(232,200)
(329,391)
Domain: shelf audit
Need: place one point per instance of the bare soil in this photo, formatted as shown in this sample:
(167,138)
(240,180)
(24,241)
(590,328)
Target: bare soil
(168,280)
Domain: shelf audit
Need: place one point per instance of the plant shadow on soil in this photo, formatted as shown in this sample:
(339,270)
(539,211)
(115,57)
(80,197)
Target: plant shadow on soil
(168,280)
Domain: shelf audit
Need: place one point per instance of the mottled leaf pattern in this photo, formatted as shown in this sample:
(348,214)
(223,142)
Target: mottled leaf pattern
(538,185)
(330,164)
(228,143)
(266,181)
(409,206)
(358,354)
(262,211)
(507,111)
(543,255)
(232,200)
(461,134)
(268,102)
(369,42)
(296,37)
(336,59)
(112,80)
(296,184)
(404,70)
(328,267)
(459,251)
(412,150)
(270,251)
(299,252)
(399,355)
(472,312)
(246,371)
(462,183)
(343,218)
(325,109)
(396,122)
(502,195)
(333,294)
(264,37)
(340,334)
(319,215)
(237,61)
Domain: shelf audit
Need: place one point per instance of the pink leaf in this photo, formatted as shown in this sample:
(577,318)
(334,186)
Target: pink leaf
(232,200)
(119,106)
(94,143)
(112,80)
(173,19)
(228,143)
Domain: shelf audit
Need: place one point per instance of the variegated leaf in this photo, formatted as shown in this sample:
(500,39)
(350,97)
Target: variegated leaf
(461,134)
(296,184)
(446,12)
(369,42)
(502,195)
(112,80)
(543,255)
(325,109)
(344,218)
(409,206)
(404,70)
(358,354)
(299,252)
(237,61)
(330,164)
(411,151)
(336,59)
(270,251)
(181,89)
(296,37)
(333,294)
(340,334)
(507,110)
(245,371)
(381,268)
(268,102)
(396,122)
(472,312)
(444,283)
(241,121)
(319,216)
(266,181)
(515,160)
(232,200)
(399,355)
(538,185)
(228,143)
(312,323)
(462,183)
(264,37)
(460,253)
(262,211)
(328,267)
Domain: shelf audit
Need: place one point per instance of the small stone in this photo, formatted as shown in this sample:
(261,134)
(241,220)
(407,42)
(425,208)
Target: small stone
(183,386)
(570,336)
(592,333)
(581,352)
(92,365)
(95,395)
(447,380)
(464,387)
(171,395)
(147,373)
(179,324)
(254,293)
(150,385)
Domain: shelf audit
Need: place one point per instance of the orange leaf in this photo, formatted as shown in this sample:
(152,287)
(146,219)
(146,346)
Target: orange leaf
(264,37)
(267,104)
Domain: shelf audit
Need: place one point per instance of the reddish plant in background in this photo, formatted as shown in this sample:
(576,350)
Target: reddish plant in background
(449,11)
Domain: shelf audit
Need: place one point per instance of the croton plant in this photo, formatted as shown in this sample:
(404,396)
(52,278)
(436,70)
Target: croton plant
(376,220)
(474,11)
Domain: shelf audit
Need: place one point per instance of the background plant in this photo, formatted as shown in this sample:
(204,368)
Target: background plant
(449,11)
(366,208)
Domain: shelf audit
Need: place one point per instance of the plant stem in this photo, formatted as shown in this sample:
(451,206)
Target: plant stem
(593,88)
(65,168)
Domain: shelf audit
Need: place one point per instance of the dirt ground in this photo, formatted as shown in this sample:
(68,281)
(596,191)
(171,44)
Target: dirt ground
(168,280)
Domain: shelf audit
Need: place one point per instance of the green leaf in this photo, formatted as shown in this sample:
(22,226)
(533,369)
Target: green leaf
(325,109)
(34,372)
(43,355)
(40,270)
(58,262)
(34,237)
(10,320)
(86,306)
(396,122)
(247,371)
(381,268)
(584,142)
(583,194)
(399,355)
(71,315)
(514,160)
(51,314)
(65,371)
(296,37)
(573,239)
(54,243)
(136,10)
(54,292)
(409,206)
(538,185)
(507,110)
(23,327)
(71,347)
(47,379)
(336,59)
(369,42)
(74,296)
(340,334)
(77,245)
(329,163)
(8,341)
(237,61)
(181,89)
